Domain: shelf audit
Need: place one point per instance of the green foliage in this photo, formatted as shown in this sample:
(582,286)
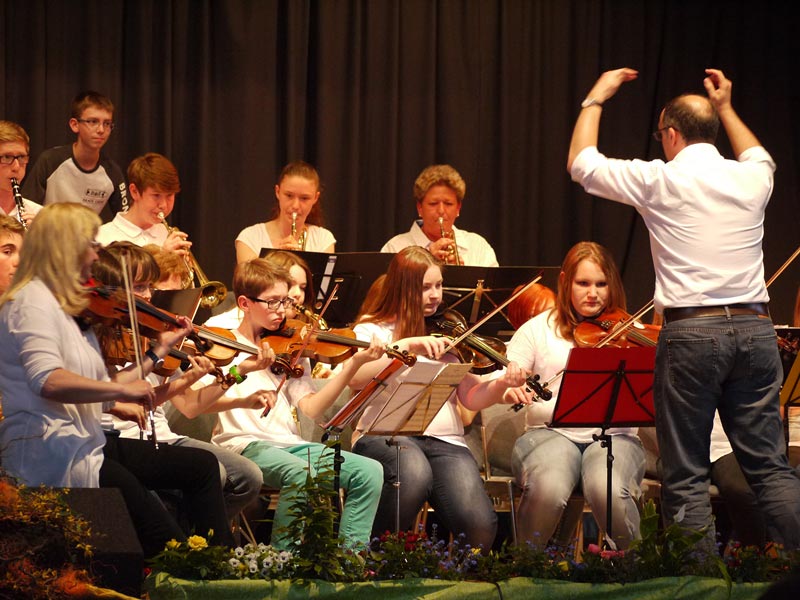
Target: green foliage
(670,552)
(318,552)
(194,559)
(748,563)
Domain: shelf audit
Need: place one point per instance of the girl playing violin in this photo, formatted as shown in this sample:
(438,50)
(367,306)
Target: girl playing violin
(241,479)
(437,466)
(550,464)
(274,442)
(296,222)
(54,385)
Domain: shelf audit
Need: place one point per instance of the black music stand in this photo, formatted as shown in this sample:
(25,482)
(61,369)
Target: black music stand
(476,291)
(178,302)
(355,271)
(405,401)
(606,387)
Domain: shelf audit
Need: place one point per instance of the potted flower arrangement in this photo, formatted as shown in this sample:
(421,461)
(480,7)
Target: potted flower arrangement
(43,549)
(661,553)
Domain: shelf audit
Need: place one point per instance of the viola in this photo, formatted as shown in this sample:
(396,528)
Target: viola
(490,352)
(606,330)
(331,347)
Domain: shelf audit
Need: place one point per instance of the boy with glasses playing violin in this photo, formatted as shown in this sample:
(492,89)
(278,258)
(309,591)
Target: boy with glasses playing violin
(81,172)
(14,156)
(273,440)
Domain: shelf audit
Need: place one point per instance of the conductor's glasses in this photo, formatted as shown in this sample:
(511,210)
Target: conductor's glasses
(658,134)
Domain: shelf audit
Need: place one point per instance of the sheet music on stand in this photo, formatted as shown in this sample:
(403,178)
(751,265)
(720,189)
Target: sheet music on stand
(405,401)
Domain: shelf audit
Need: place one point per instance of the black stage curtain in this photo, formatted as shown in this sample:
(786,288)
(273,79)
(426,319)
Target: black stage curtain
(372,91)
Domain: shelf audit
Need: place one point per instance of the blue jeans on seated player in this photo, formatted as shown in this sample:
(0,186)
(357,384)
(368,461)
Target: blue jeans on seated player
(444,474)
(550,468)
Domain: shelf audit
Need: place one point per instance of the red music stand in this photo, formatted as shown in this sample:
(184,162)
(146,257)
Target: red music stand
(606,387)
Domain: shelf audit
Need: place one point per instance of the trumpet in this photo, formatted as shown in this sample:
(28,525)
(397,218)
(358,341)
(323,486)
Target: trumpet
(302,239)
(214,292)
(18,202)
(453,249)
(312,316)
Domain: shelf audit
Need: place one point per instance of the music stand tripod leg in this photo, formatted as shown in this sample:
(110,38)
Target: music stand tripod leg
(605,442)
(336,444)
(393,442)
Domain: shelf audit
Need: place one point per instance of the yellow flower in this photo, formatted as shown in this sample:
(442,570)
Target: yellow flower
(564,566)
(173,544)
(197,542)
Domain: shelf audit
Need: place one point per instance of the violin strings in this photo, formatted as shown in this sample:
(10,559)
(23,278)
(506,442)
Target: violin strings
(624,326)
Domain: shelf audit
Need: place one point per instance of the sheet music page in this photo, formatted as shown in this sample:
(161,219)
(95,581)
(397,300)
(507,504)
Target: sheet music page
(408,404)
(352,411)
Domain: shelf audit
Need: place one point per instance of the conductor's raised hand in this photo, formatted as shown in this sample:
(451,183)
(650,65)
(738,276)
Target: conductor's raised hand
(609,82)
(718,88)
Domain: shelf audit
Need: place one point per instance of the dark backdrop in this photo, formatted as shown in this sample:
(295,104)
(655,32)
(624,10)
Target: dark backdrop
(373,91)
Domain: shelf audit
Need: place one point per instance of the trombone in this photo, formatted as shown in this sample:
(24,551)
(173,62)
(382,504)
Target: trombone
(213,292)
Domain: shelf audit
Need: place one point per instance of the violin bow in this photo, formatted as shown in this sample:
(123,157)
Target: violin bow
(137,349)
(452,344)
(783,267)
(306,339)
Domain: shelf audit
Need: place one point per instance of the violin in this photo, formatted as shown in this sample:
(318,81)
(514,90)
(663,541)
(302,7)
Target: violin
(118,349)
(606,330)
(489,352)
(485,353)
(331,347)
(108,308)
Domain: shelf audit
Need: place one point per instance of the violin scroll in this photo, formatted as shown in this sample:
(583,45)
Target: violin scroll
(403,356)
(532,385)
(283,366)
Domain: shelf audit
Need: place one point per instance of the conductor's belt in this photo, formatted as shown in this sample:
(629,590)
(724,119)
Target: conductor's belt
(695,312)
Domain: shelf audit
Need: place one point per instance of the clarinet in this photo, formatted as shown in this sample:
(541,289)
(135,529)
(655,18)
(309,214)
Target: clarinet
(18,201)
